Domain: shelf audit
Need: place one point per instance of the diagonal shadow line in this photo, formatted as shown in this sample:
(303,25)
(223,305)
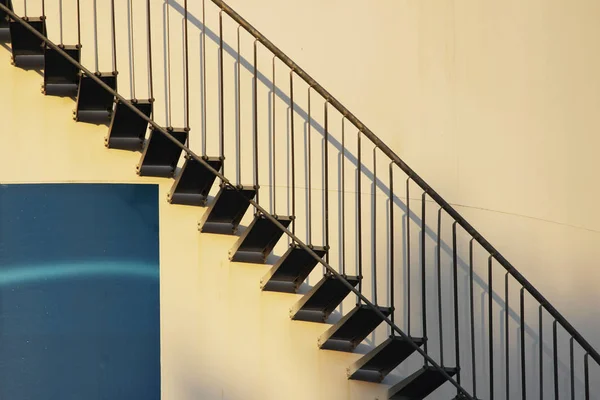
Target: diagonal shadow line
(337,145)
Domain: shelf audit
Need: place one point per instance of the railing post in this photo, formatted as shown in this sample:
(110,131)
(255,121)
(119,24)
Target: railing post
(455,280)
(408,261)
(491,325)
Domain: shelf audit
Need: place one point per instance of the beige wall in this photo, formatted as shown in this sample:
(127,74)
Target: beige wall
(221,337)
(493,104)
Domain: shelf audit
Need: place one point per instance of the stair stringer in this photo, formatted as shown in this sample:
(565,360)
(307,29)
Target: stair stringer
(221,337)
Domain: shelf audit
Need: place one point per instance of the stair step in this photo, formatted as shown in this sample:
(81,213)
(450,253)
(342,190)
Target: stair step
(227,209)
(194,182)
(93,101)
(352,329)
(4,24)
(27,49)
(258,240)
(60,76)
(377,364)
(161,155)
(127,129)
(291,269)
(420,384)
(322,299)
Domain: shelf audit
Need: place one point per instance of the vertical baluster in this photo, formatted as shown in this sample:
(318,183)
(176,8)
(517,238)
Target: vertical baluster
(391,244)
(507,336)
(79,22)
(255,118)
(239,113)
(523,381)
(292,150)
(204,114)
(373,226)
(309,173)
(187,65)
(541,350)
(221,95)
(572,368)
(114,37)
(343,205)
(273,141)
(359,221)
(423,274)
(439,283)
(132,45)
(60,23)
(555,354)
(168,45)
(309,170)
(586,371)
(455,279)
(472,309)
(326,183)
(491,325)
(408,262)
(150,71)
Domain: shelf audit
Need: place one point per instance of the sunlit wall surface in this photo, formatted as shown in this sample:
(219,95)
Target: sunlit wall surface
(79,292)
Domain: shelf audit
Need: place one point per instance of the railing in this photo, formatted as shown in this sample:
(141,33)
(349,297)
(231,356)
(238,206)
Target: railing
(462,337)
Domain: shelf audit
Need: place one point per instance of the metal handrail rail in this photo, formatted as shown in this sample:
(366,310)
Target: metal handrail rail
(412,175)
(228,183)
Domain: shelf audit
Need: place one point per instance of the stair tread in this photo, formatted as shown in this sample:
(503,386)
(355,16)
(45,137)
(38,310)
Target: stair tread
(194,182)
(291,269)
(259,239)
(25,43)
(227,209)
(379,362)
(160,154)
(322,299)
(353,328)
(58,70)
(127,130)
(93,99)
(420,384)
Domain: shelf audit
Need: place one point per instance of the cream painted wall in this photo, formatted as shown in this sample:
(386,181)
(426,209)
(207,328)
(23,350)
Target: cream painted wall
(221,337)
(494,104)
(479,98)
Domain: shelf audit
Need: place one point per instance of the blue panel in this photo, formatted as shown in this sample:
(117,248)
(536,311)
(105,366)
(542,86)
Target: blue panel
(79,292)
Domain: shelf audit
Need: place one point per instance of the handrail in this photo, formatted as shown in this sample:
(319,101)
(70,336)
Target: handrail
(226,182)
(412,175)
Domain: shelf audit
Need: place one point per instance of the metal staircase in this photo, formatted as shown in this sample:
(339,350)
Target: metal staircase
(434,332)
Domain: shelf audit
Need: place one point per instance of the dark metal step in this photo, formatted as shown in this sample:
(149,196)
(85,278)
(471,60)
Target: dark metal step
(4,24)
(161,155)
(27,49)
(127,129)
(194,182)
(94,103)
(322,299)
(378,363)
(352,329)
(291,269)
(60,76)
(227,209)
(420,384)
(258,240)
